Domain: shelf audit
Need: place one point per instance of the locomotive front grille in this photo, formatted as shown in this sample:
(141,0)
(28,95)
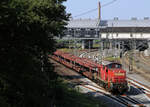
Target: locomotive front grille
(116,80)
(120,85)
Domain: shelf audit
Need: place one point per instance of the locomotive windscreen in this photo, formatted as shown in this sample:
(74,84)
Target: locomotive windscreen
(114,65)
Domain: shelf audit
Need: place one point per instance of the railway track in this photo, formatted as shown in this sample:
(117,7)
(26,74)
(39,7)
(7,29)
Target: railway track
(130,101)
(139,67)
(146,60)
(124,100)
(140,61)
(85,54)
(142,88)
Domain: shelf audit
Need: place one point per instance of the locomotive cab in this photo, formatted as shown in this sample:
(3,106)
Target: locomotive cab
(116,73)
(116,77)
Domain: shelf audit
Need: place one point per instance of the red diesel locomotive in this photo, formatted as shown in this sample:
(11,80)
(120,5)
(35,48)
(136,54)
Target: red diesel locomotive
(110,75)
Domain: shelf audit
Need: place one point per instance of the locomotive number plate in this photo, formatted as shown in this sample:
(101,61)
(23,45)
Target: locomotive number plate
(119,74)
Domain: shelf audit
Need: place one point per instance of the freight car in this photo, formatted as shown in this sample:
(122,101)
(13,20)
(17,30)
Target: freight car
(109,75)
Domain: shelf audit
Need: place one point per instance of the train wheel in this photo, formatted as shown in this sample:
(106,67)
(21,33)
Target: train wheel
(128,87)
(101,84)
(111,86)
(106,87)
(121,91)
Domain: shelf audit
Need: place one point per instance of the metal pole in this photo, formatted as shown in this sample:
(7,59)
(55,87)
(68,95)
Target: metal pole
(69,43)
(101,51)
(74,43)
(89,46)
(100,43)
(122,55)
(131,53)
(112,45)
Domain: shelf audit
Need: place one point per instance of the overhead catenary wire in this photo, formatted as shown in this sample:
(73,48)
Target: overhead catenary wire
(109,3)
(92,10)
(87,12)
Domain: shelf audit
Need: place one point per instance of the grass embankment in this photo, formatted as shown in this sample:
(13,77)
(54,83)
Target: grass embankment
(96,46)
(66,50)
(69,97)
(112,59)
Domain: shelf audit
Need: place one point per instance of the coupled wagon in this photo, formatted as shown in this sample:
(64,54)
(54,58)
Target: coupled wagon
(109,75)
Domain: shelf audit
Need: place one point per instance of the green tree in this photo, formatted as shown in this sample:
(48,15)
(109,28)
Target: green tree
(27,28)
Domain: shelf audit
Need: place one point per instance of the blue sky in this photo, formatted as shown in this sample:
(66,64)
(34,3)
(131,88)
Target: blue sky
(123,9)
